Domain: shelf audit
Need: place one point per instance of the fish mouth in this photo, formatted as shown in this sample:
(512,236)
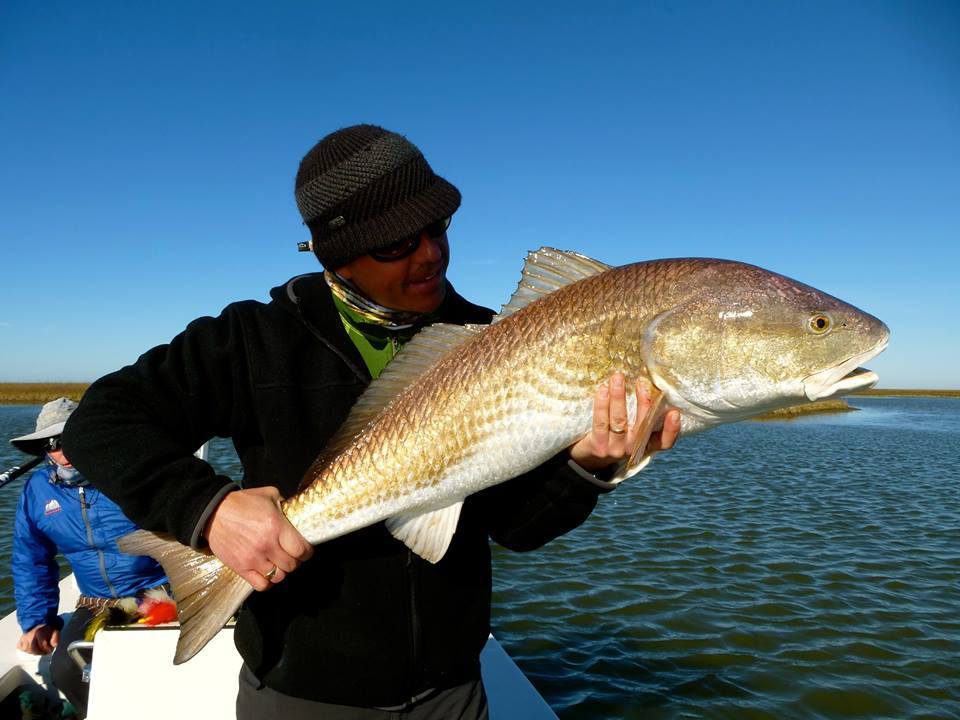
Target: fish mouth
(845,378)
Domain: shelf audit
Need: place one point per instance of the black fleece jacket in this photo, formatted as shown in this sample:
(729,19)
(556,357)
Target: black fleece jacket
(364,622)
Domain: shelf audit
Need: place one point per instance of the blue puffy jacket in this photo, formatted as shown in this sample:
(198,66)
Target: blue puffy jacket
(82,524)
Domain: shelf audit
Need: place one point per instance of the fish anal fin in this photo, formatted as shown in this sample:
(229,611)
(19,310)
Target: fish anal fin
(207,592)
(427,534)
(651,421)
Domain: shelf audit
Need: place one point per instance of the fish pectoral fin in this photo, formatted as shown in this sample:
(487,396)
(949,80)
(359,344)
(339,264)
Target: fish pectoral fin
(625,470)
(427,534)
(639,457)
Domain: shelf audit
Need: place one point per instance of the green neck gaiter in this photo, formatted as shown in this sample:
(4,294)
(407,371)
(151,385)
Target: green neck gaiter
(377,344)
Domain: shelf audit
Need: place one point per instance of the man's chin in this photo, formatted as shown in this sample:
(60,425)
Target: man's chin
(426,297)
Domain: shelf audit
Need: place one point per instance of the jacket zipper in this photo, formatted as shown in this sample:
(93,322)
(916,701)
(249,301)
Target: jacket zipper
(100,557)
(363,376)
(416,679)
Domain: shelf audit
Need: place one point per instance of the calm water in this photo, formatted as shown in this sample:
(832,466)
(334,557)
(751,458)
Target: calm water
(796,569)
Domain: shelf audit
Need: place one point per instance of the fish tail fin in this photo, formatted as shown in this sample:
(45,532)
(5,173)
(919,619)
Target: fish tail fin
(207,592)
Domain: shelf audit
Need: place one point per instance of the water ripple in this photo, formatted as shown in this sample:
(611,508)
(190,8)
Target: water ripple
(789,570)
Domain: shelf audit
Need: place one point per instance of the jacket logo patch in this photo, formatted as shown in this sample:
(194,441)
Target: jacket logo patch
(51,507)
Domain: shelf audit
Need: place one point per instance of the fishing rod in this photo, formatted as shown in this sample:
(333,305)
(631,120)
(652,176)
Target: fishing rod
(8,476)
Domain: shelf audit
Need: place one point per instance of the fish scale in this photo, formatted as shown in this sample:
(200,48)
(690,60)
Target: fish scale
(461,409)
(380,478)
(538,395)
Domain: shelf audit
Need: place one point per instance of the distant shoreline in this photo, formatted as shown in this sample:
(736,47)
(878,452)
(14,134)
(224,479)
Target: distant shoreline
(39,393)
(908,393)
(820,406)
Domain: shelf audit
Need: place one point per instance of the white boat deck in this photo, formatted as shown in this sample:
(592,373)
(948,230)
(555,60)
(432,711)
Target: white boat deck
(132,664)
(19,668)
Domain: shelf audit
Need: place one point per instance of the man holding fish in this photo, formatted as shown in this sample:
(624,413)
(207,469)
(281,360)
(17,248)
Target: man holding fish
(379,601)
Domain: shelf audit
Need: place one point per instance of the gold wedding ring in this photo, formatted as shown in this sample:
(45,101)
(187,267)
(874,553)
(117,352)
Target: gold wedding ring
(270,573)
(618,431)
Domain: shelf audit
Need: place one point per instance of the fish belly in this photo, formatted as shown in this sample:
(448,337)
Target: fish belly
(408,478)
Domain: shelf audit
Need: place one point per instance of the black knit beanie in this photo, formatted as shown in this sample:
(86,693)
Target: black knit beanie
(362,187)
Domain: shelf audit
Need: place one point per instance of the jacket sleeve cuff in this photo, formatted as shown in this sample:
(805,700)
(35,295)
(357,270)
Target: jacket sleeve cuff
(603,485)
(197,540)
(51,619)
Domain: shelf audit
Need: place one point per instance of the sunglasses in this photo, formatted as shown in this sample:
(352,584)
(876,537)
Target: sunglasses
(54,444)
(408,245)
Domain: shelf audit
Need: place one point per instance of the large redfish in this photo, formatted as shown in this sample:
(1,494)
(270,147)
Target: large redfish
(464,408)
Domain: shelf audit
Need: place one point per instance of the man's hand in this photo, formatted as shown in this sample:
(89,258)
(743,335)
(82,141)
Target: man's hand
(253,537)
(611,438)
(40,640)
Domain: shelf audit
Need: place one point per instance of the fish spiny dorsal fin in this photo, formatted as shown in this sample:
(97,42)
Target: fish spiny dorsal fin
(426,347)
(546,270)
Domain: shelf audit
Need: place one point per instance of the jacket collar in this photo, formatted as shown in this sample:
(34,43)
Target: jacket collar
(308,298)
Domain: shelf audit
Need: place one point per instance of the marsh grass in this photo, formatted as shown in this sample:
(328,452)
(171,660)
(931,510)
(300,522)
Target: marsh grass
(839,405)
(819,406)
(39,393)
(910,393)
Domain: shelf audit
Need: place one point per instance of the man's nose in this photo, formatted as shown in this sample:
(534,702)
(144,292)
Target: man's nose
(429,249)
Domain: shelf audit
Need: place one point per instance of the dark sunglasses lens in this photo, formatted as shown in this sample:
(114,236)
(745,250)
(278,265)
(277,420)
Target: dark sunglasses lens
(53,444)
(438,228)
(408,245)
(400,249)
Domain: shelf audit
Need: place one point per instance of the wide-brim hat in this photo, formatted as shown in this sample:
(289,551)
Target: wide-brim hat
(50,423)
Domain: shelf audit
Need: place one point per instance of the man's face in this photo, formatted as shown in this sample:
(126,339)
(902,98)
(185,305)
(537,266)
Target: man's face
(415,283)
(59,458)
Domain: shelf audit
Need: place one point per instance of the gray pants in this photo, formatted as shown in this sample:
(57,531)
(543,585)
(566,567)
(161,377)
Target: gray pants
(64,671)
(256,702)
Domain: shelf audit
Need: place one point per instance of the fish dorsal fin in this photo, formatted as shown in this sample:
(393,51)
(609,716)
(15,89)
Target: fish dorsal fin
(426,347)
(546,270)
(427,534)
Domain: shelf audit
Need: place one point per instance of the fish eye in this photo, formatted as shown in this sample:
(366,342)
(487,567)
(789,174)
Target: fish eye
(820,323)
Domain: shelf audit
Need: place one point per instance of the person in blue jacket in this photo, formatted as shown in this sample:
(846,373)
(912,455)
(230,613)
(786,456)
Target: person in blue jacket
(59,512)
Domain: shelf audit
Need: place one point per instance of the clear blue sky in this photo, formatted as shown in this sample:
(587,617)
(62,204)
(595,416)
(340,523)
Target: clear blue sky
(149,150)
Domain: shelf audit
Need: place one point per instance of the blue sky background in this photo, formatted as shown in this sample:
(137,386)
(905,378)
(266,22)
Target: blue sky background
(148,150)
